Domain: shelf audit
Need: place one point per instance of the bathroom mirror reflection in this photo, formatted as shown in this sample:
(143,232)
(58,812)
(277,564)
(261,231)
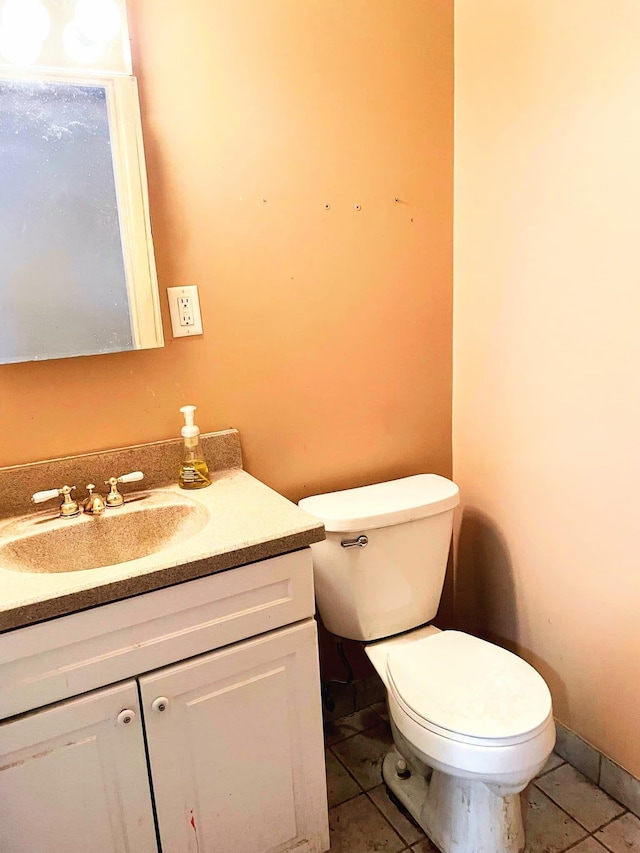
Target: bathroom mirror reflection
(77,272)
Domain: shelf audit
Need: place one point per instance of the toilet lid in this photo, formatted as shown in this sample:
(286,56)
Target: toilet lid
(467,686)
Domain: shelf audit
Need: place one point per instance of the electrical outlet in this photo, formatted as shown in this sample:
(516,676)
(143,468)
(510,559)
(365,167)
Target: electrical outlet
(184,307)
(185,310)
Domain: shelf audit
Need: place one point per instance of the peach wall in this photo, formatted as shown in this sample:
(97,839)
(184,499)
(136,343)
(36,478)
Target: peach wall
(327,332)
(546,347)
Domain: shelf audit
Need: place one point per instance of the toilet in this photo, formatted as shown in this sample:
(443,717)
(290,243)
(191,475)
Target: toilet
(472,723)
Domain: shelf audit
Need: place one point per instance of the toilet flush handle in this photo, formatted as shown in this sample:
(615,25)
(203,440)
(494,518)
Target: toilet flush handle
(361,541)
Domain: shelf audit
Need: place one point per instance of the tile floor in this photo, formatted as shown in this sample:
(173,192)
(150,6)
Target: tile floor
(563,810)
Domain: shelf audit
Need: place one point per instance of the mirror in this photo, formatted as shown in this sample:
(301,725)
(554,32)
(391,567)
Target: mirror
(77,272)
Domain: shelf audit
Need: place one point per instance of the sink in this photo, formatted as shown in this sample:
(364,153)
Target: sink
(146,524)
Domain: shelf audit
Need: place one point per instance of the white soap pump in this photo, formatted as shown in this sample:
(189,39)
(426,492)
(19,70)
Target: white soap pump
(194,472)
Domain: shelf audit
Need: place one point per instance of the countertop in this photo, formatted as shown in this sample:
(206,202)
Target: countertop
(247,522)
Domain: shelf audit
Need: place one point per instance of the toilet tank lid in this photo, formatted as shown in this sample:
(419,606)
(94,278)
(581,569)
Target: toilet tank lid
(383,504)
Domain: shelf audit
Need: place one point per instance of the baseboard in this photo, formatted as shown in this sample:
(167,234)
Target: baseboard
(599,768)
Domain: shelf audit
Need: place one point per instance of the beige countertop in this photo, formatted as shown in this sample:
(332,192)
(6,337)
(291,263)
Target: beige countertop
(244,521)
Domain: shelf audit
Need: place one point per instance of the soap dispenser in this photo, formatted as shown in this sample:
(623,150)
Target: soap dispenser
(194,472)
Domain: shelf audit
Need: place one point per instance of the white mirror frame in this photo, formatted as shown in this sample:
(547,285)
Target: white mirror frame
(133,205)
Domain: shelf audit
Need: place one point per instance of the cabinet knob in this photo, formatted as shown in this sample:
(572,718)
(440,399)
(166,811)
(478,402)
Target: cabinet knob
(125,717)
(160,704)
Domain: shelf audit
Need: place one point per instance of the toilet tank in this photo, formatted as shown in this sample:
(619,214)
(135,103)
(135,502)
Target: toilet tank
(394,581)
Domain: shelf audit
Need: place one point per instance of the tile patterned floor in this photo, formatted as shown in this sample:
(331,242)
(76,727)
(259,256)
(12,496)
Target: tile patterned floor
(563,810)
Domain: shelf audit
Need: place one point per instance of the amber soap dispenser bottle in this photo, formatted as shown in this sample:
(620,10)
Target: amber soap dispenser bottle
(194,471)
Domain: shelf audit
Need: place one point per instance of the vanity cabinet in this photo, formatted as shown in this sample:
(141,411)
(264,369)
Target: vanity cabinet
(232,765)
(73,778)
(226,743)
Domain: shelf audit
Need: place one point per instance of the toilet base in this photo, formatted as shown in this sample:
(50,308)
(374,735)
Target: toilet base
(458,815)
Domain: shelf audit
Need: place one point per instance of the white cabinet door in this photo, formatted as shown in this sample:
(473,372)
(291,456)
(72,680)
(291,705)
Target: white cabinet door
(73,778)
(235,747)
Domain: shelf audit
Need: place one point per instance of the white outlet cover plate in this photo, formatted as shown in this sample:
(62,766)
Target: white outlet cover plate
(174,294)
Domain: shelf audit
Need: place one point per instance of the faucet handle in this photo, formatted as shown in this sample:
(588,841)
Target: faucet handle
(133,477)
(114,498)
(68,507)
(46,495)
